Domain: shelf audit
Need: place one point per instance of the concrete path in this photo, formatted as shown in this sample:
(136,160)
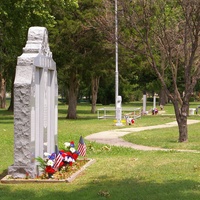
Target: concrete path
(113,137)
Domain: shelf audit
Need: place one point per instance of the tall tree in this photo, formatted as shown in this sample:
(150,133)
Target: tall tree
(170,28)
(69,55)
(16,16)
(79,52)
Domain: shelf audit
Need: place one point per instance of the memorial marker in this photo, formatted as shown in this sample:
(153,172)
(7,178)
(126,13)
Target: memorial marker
(35,104)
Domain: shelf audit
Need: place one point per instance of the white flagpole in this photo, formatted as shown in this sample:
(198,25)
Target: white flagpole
(118,99)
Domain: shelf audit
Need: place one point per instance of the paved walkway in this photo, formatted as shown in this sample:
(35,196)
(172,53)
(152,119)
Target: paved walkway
(113,137)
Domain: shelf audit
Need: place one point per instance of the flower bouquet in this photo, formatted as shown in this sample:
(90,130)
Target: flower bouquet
(58,163)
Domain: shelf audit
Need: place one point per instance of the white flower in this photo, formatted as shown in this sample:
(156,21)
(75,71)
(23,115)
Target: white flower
(50,163)
(69,159)
(46,154)
(72,149)
(67,144)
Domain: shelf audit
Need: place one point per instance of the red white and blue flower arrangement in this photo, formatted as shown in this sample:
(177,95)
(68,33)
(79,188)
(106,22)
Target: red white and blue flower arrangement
(57,164)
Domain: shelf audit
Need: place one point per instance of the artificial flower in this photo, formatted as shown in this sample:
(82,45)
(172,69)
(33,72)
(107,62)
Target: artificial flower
(46,154)
(67,144)
(50,170)
(72,144)
(69,159)
(52,156)
(69,155)
(72,149)
(50,163)
(75,155)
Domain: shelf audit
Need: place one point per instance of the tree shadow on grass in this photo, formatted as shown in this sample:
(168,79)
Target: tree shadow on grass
(99,188)
(6,117)
(6,121)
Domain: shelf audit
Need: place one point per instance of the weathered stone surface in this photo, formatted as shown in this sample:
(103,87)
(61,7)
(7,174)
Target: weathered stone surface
(35,104)
(22,171)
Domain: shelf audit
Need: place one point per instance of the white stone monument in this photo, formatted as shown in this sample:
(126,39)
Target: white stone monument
(144,103)
(119,111)
(35,104)
(154,101)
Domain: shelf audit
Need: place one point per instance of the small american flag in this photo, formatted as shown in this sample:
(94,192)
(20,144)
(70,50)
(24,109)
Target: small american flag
(57,162)
(81,147)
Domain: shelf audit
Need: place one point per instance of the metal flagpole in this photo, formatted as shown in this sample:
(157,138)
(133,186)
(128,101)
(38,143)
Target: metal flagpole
(116,54)
(118,99)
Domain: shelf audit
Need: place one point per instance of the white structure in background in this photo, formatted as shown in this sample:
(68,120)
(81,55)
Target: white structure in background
(35,104)
(144,110)
(154,101)
(119,111)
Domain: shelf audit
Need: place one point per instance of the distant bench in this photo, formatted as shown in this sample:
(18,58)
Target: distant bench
(109,112)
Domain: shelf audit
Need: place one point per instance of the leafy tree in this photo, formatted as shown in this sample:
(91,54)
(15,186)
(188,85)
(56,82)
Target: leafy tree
(79,52)
(166,28)
(69,54)
(16,16)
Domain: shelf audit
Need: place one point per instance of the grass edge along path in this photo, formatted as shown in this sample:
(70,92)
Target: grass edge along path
(115,137)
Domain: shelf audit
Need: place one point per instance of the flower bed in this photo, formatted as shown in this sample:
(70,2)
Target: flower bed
(67,176)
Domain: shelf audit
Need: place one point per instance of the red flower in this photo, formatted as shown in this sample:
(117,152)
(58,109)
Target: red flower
(61,164)
(69,153)
(49,170)
(64,154)
(74,156)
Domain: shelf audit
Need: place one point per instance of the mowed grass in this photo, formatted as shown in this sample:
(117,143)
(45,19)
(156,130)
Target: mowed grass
(118,173)
(166,138)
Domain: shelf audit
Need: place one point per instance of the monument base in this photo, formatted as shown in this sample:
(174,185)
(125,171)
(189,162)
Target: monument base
(23,172)
(119,123)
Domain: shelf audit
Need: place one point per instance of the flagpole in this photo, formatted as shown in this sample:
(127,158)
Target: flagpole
(118,99)
(116,54)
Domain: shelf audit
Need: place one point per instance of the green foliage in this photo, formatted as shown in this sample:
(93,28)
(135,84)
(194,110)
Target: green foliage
(137,95)
(15,19)
(41,161)
(79,47)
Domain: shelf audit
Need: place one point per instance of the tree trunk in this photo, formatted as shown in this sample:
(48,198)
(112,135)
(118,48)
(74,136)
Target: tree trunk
(11,106)
(73,92)
(181,117)
(183,131)
(2,92)
(163,99)
(95,87)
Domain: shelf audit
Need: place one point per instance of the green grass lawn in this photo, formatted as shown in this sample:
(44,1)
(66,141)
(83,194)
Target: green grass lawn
(119,173)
